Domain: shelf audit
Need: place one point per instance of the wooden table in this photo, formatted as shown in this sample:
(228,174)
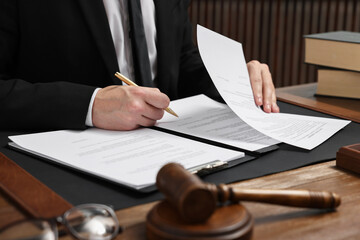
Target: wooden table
(304,95)
(271,221)
(277,222)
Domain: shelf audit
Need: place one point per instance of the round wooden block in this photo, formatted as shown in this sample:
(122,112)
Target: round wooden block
(227,222)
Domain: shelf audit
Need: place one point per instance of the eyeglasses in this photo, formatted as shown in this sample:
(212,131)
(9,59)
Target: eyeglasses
(84,222)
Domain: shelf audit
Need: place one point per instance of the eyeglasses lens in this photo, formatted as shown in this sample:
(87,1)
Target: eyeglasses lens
(29,230)
(92,223)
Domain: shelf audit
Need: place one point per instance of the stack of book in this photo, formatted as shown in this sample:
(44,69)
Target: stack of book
(337,55)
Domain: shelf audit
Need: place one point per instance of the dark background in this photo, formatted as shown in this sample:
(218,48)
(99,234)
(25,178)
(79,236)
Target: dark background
(272,31)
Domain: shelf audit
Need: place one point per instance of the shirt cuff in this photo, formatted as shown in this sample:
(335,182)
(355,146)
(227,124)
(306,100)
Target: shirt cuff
(88,121)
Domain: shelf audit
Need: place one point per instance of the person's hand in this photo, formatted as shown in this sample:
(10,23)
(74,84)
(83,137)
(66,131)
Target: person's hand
(262,86)
(128,107)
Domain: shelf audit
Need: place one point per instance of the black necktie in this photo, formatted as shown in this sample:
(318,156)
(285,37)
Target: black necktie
(139,46)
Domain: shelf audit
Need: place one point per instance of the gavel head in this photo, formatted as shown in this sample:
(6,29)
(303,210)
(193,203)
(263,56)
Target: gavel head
(194,200)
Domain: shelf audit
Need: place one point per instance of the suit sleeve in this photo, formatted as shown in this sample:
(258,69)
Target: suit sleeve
(25,105)
(194,78)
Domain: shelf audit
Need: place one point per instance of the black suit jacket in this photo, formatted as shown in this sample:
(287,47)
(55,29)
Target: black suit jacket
(54,53)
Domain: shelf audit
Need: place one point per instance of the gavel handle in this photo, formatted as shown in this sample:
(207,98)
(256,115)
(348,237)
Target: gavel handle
(295,198)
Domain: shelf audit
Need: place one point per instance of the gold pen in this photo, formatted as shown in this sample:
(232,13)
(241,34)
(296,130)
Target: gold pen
(131,83)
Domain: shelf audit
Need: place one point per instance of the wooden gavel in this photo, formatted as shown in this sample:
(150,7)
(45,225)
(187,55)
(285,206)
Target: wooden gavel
(196,200)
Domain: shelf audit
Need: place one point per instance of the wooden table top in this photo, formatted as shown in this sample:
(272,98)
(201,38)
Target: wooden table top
(304,95)
(278,222)
(271,221)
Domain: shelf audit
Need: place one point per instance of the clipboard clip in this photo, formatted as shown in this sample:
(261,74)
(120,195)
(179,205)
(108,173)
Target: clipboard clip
(208,168)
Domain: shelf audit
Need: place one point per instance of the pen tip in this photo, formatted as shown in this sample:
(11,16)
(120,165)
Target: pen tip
(172,112)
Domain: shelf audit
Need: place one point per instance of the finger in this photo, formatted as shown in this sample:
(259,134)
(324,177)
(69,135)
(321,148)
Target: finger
(275,108)
(268,89)
(139,107)
(269,95)
(157,99)
(117,123)
(153,113)
(155,89)
(270,104)
(146,122)
(256,81)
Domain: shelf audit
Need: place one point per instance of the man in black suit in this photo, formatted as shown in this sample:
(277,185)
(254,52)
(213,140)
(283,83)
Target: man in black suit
(55,54)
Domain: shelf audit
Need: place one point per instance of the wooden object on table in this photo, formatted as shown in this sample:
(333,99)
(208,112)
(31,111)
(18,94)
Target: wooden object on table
(348,157)
(196,201)
(338,83)
(304,96)
(274,221)
(29,193)
(271,221)
(228,222)
(340,49)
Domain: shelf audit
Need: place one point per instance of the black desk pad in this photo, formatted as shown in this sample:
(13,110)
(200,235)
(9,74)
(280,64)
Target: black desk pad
(78,188)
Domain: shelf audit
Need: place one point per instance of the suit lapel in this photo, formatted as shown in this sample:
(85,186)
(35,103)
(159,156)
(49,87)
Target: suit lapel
(95,16)
(165,27)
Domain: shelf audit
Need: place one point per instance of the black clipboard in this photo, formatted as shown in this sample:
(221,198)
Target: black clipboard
(201,170)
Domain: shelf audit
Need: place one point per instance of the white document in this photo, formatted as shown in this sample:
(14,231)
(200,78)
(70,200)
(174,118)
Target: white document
(131,158)
(225,62)
(205,118)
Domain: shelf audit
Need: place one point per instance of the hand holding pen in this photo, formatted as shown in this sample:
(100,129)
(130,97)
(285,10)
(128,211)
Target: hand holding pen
(131,83)
(128,107)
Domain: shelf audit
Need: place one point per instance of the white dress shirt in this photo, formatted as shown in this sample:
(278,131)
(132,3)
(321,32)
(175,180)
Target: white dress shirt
(118,18)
